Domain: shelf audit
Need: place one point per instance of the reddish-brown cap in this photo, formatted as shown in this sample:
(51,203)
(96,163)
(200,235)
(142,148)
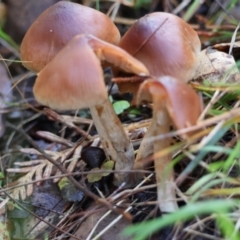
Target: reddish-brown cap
(74,78)
(182,102)
(57,25)
(165,44)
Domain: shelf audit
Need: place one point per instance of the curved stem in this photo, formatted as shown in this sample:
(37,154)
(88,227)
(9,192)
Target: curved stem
(115,141)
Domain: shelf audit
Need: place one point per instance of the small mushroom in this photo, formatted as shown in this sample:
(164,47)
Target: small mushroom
(167,46)
(57,25)
(74,80)
(174,102)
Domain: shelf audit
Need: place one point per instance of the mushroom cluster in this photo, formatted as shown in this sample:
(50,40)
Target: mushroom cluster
(74,80)
(66,47)
(169,48)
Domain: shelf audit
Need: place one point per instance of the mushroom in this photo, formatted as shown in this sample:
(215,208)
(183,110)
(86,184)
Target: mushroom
(74,80)
(167,46)
(57,25)
(173,102)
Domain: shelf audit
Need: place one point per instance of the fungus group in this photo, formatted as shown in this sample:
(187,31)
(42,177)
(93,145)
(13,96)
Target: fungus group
(74,80)
(66,45)
(169,48)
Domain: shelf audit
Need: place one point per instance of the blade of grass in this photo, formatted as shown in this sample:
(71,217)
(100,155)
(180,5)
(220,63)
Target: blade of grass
(192,165)
(227,228)
(201,182)
(216,149)
(192,9)
(143,230)
(205,188)
(233,155)
(8,39)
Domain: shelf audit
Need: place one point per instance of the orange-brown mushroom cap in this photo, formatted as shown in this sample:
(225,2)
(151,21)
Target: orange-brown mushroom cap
(165,44)
(182,102)
(56,26)
(116,56)
(73,79)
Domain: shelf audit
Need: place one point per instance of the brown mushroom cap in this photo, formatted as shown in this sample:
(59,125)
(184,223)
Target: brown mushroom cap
(73,79)
(57,25)
(165,44)
(182,102)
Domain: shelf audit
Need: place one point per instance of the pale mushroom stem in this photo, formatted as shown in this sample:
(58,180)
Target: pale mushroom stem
(114,140)
(146,147)
(165,179)
(145,150)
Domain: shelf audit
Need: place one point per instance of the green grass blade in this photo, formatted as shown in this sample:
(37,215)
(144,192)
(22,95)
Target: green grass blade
(8,39)
(192,165)
(143,230)
(227,227)
(233,155)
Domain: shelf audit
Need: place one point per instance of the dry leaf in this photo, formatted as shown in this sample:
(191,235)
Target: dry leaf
(39,169)
(72,162)
(225,47)
(217,66)
(54,138)
(34,173)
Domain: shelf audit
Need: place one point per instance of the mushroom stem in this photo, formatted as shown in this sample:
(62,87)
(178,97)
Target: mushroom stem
(165,179)
(145,150)
(146,147)
(115,141)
